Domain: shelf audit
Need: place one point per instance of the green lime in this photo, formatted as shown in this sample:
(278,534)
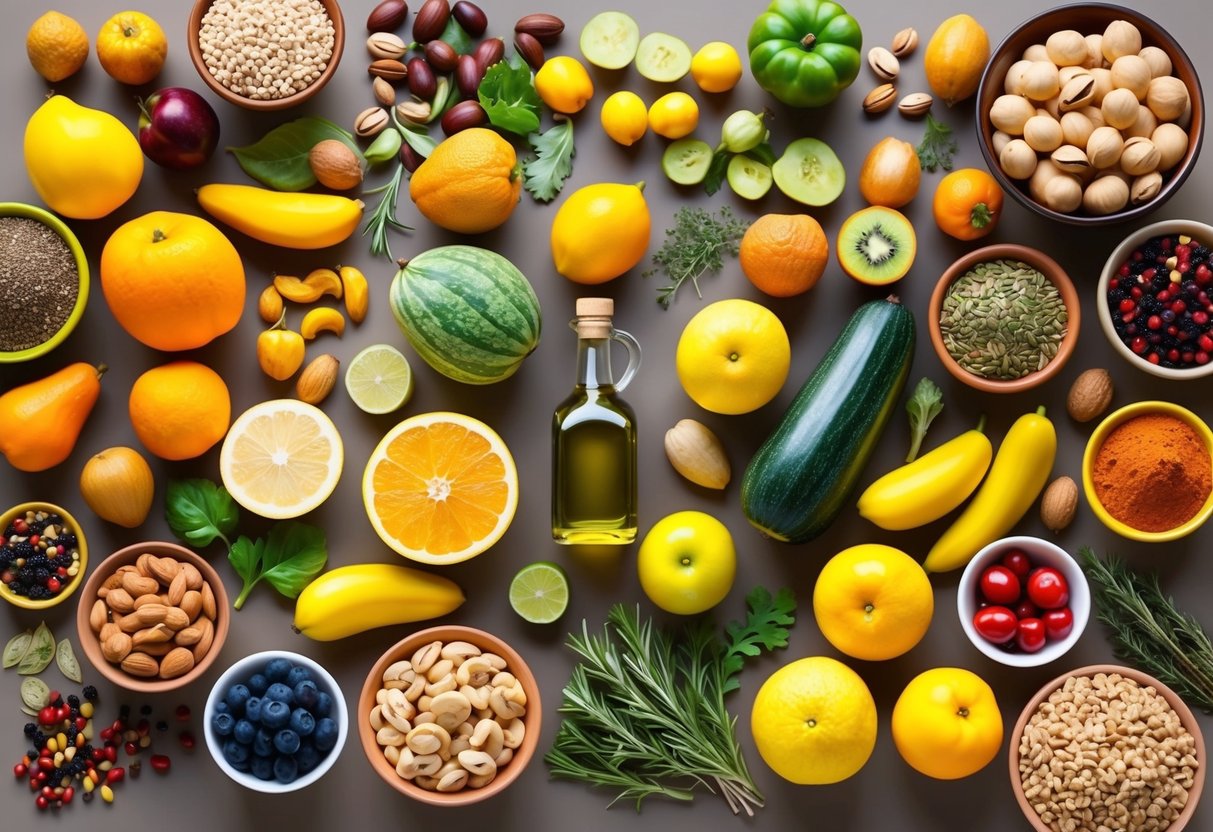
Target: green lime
(379,379)
(540,592)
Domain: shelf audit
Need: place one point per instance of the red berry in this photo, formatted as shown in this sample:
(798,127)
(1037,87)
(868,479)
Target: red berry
(1058,623)
(34,538)
(183,713)
(115,775)
(20,526)
(1202,357)
(999,585)
(1127,305)
(1154,322)
(1026,609)
(67,795)
(53,584)
(1030,635)
(131,748)
(47,715)
(1153,358)
(187,740)
(161,763)
(42,802)
(20,770)
(995,624)
(1138,345)
(1123,271)
(1048,588)
(1017,562)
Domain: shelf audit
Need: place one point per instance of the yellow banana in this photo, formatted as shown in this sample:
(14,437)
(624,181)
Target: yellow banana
(291,220)
(1020,470)
(353,599)
(930,486)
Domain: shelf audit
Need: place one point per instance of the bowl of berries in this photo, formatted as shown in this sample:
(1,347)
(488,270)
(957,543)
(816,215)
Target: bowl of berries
(43,555)
(1155,299)
(1023,601)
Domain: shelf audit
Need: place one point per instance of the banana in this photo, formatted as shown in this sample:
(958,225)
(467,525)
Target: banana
(1020,470)
(930,486)
(353,599)
(291,220)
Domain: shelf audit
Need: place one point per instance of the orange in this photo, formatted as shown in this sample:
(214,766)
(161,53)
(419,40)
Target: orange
(57,46)
(784,254)
(173,281)
(132,47)
(470,183)
(440,488)
(180,410)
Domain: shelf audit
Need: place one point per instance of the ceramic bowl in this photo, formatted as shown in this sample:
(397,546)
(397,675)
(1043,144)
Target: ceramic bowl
(67,589)
(1045,265)
(92,646)
(242,670)
(1087,18)
(1198,231)
(1041,553)
(1181,709)
(195,25)
(20,209)
(1109,424)
(404,649)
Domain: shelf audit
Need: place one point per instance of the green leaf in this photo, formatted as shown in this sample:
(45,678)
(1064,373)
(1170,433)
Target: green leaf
(765,629)
(198,511)
(245,557)
(294,554)
(65,657)
(41,651)
(716,171)
(924,405)
(279,158)
(457,37)
(545,172)
(420,141)
(17,647)
(762,153)
(508,97)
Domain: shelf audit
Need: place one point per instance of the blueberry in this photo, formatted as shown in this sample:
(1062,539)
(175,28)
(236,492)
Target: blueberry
(263,743)
(307,757)
(236,696)
(325,735)
(280,693)
(306,693)
(285,769)
(234,752)
(222,724)
(263,767)
(275,714)
(276,670)
(298,674)
(286,741)
(221,707)
(244,732)
(243,766)
(323,706)
(252,709)
(257,684)
(302,722)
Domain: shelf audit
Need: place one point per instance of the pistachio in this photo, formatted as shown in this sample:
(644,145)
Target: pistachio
(998,141)
(883,63)
(1042,133)
(1139,157)
(1067,48)
(371,121)
(1017,159)
(1076,129)
(1063,193)
(1145,124)
(915,105)
(386,46)
(1168,98)
(1131,72)
(1013,83)
(1172,143)
(1120,38)
(1071,159)
(1040,81)
(1078,92)
(389,69)
(1145,188)
(905,42)
(1119,109)
(1106,195)
(1158,61)
(1104,147)
(1009,113)
(880,99)
(417,112)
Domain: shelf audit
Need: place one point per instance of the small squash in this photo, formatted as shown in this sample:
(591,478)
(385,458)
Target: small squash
(41,421)
(955,58)
(118,486)
(890,174)
(968,203)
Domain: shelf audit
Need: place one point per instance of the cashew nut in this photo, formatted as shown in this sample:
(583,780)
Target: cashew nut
(444,684)
(451,709)
(376,717)
(392,754)
(406,764)
(425,657)
(488,737)
(513,732)
(504,679)
(427,764)
(388,735)
(429,738)
(439,670)
(453,782)
(477,762)
(504,708)
(476,672)
(459,651)
(495,661)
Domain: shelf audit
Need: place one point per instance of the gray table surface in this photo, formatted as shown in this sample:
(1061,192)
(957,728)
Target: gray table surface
(887,794)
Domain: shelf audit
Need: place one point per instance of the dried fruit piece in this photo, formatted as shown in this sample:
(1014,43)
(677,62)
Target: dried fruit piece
(321,320)
(269,305)
(35,694)
(354,284)
(41,651)
(65,657)
(17,647)
(388,15)
(389,69)
(545,28)
(697,454)
(431,20)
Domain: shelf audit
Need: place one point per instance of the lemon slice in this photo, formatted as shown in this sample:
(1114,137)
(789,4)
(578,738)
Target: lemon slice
(379,379)
(281,458)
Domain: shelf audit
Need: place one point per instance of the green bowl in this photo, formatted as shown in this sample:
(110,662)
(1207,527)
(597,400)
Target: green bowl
(20,209)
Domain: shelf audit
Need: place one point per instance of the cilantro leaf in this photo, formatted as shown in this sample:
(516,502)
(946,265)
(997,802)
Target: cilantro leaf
(292,555)
(552,163)
(509,99)
(765,628)
(198,511)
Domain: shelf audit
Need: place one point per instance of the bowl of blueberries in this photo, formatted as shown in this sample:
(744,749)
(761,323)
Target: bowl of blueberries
(275,721)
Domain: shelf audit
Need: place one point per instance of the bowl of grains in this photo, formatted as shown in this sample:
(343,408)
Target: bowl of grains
(43,555)
(1004,318)
(1107,747)
(43,282)
(1148,471)
(265,55)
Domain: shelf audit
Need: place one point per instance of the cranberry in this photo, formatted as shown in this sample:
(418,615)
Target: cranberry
(1154,322)
(115,775)
(1030,635)
(183,713)
(161,763)
(1026,609)
(1124,271)
(1059,623)
(1048,588)
(1138,345)
(996,625)
(1153,358)
(187,740)
(20,770)
(999,585)
(1127,305)
(1017,562)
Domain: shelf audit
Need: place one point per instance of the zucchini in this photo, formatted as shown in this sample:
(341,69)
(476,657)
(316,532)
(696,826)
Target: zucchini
(802,475)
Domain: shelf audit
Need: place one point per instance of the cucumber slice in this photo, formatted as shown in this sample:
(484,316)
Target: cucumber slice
(686,161)
(610,39)
(663,58)
(749,178)
(809,172)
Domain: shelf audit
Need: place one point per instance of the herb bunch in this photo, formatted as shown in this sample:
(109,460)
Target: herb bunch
(696,245)
(937,147)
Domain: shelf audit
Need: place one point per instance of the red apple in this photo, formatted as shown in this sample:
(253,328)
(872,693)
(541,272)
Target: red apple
(177,128)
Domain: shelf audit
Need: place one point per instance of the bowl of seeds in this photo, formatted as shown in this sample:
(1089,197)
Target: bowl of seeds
(264,55)
(43,282)
(1004,318)
(43,555)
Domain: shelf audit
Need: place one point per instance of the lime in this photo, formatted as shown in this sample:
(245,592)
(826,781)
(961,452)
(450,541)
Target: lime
(540,592)
(379,379)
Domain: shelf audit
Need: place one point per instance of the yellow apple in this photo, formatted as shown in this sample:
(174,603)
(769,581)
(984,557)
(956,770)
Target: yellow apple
(687,562)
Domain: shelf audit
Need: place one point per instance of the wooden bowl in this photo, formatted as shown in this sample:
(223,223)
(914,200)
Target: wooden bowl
(92,646)
(195,25)
(1087,18)
(404,649)
(1045,265)
(1185,716)
(71,586)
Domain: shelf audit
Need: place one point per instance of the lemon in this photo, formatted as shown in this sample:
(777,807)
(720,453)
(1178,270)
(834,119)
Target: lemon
(733,356)
(281,458)
(57,46)
(600,232)
(674,115)
(687,562)
(716,67)
(624,117)
(379,379)
(814,721)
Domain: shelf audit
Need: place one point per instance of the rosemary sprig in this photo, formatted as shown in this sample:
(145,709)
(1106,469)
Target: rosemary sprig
(384,215)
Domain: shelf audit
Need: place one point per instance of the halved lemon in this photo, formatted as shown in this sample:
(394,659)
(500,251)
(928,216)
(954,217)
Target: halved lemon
(440,488)
(281,458)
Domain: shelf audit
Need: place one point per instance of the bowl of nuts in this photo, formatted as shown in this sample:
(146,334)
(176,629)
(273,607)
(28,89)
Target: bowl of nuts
(449,716)
(43,555)
(1090,114)
(304,40)
(1132,756)
(152,617)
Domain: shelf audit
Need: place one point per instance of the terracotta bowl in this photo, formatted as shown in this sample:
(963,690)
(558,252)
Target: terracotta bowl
(1087,18)
(1185,716)
(1045,265)
(404,649)
(92,646)
(71,586)
(195,25)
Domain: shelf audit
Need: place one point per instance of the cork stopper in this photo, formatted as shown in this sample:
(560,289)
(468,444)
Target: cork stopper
(594,317)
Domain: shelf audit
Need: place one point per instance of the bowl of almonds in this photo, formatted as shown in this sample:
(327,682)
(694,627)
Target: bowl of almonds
(152,617)
(449,716)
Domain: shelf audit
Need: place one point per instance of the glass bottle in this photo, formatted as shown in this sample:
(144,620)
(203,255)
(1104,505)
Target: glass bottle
(594,438)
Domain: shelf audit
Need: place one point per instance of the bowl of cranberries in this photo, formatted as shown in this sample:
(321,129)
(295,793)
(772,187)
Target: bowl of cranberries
(43,555)
(1023,601)
(1155,299)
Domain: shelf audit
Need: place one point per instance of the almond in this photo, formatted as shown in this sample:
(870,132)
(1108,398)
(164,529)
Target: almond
(141,664)
(129,623)
(119,600)
(317,379)
(150,615)
(1059,504)
(137,585)
(177,589)
(1090,395)
(151,635)
(191,602)
(208,601)
(98,615)
(389,69)
(165,569)
(143,564)
(204,643)
(188,637)
(108,629)
(545,28)
(388,15)
(157,649)
(144,600)
(193,578)
(384,93)
(176,619)
(697,454)
(178,662)
(905,42)
(880,99)
(117,647)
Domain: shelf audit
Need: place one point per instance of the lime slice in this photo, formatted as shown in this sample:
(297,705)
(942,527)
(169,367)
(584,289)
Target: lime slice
(540,592)
(663,58)
(379,379)
(610,40)
(749,178)
(686,161)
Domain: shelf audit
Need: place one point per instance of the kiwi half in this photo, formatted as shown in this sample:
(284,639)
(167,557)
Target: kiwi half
(877,245)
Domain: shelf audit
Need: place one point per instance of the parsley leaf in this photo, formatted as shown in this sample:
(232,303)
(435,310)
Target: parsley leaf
(198,511)
(509,99)
(766,628)
(937,146)
(292,555)
(924,405)
(545,172)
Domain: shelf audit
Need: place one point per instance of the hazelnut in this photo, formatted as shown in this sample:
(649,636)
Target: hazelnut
(1158,61)
(1040,81)
(1120,38)
(1139,157)
(1076,128)
(1104,147)
(1045,171)
(1042,133)
(335,165)
(1131,72)
(1094,51)
(1106,195)
(1167,97)
(1119,108)
(1145,188)
(1068,73)
(1172,144)
(1144,125)
(1017,159)
(999,141)
(1013,83)
(1063,193)
(1036,52)
(1009,113)
(1090,395)
(1066,48)
(1094,115)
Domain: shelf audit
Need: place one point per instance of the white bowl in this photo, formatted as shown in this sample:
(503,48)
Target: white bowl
(1041,553)
(1192,228)
(245,668)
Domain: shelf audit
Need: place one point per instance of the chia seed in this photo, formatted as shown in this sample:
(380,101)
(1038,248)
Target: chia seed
(38,283)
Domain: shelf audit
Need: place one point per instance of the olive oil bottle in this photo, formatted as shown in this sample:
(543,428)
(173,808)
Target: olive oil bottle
(594,438)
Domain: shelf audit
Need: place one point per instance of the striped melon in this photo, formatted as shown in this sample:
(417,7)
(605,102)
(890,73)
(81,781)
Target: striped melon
(468,312)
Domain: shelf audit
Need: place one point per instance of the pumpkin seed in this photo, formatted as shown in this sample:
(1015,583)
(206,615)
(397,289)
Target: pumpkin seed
(35,693)
(65,657)
(17,647)
(41,651)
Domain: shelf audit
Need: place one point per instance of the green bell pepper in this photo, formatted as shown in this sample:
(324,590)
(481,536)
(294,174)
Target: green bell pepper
(805,52)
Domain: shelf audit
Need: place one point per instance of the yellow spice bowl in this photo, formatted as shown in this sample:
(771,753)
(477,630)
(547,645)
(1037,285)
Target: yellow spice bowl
(1109,424)
(68,588)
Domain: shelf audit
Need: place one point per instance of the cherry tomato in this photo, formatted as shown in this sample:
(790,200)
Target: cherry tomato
(1026,609)
(1017,562)
(1031,635)
(1058,623)
(996,625)
(1000,585)
(1048,588)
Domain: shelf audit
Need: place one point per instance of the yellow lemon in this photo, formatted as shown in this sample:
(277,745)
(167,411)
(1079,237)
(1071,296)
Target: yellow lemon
(873,602)
(624,117)
(814,721)
(57,46)
(563,84)
(674,115)
(132,47)
(716,67)
(600,232)
(733,357)
(946,723)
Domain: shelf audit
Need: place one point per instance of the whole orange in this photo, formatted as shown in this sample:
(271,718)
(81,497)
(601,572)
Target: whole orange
(132,47)
(784,254)
(470,183)
(180,410)
(173,281)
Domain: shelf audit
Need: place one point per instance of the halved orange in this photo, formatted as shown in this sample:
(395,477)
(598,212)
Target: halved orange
(440,488)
